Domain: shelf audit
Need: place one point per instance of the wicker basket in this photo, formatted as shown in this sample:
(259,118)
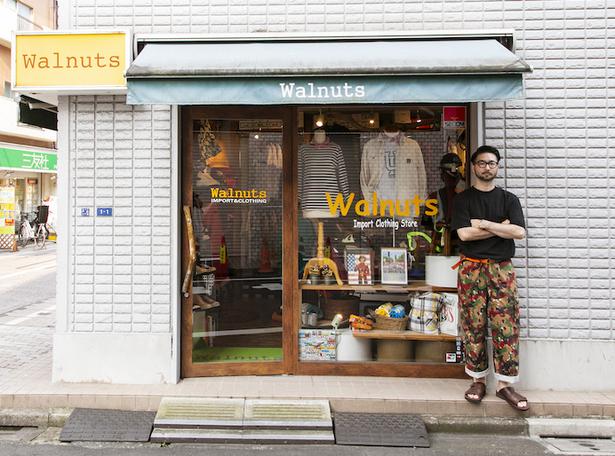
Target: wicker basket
(390,324)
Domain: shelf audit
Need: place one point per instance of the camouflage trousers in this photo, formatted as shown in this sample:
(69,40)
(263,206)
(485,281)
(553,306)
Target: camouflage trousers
(488,294)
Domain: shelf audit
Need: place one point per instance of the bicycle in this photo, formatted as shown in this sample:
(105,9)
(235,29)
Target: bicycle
(36,231)
(40,237)
(26,231)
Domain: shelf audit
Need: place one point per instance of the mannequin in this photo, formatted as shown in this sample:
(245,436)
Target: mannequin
(319,136)
(391,132)
(321,170)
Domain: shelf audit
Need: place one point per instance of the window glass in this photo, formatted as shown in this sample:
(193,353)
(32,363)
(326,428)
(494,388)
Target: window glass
(237,226)
(24,10)
(375,198)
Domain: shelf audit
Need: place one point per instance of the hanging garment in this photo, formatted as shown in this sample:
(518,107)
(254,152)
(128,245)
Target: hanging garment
(321,169)
(265,170)
(393,166)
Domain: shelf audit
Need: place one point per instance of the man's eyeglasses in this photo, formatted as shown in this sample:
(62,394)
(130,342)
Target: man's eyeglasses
(483,164)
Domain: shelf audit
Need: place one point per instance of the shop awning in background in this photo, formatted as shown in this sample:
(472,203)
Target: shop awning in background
(325,72)
(37,161)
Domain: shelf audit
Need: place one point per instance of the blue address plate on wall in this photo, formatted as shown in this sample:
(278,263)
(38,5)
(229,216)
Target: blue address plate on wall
(104,211)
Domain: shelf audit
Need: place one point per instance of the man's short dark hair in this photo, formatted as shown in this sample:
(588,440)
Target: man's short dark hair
(485,150)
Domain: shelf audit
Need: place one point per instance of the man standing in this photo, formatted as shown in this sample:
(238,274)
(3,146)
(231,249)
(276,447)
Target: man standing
(488,219)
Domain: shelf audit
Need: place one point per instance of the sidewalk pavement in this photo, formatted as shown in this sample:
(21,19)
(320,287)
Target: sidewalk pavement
(28,386)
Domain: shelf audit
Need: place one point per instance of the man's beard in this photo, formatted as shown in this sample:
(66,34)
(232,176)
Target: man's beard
(486,177)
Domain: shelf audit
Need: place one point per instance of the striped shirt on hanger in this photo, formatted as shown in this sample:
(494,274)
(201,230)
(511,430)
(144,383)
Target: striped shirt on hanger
(321,169)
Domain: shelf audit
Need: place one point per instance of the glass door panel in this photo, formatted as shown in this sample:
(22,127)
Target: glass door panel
(236,182)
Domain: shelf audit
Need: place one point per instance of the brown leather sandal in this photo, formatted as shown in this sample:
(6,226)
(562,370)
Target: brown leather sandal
(513,398)
(478,389)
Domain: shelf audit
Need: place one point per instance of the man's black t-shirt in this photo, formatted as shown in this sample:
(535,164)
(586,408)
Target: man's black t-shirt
(496,205)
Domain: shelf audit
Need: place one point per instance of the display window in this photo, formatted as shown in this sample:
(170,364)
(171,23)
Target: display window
(317,240)
(375,192)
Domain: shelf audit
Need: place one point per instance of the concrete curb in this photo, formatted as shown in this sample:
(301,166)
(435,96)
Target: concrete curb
(56,417)
(476,425)
(558,427)
(53,417)
(516,426)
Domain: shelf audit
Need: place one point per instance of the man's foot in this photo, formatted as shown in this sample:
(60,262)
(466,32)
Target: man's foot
(476,392)
(514,399)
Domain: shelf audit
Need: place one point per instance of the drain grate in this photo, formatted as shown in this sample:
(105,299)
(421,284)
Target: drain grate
(95,425)
(380,429)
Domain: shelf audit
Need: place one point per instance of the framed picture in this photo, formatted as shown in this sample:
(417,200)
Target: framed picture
(359,266)
(394,266)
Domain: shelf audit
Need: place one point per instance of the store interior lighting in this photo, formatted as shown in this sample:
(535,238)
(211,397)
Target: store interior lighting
(336,321)
(319,120)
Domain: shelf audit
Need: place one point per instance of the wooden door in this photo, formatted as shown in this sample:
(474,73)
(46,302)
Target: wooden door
(238,166)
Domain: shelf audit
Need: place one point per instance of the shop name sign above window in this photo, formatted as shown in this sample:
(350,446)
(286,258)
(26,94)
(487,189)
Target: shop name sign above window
(28,160)
(324,92)
(66,62)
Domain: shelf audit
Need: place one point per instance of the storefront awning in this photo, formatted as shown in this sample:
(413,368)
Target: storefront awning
(331,72)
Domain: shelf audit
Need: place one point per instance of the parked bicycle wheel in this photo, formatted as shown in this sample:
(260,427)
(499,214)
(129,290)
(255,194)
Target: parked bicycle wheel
(25,234)
(41,237)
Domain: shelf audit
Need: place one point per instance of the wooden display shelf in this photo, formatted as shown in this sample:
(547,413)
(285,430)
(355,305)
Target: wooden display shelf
(414,286)
(402,335)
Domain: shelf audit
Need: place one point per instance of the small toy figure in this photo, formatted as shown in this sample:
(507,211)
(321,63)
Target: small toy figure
(363,270)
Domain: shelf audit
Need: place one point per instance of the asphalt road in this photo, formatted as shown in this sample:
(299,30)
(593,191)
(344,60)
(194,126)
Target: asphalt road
(441,445)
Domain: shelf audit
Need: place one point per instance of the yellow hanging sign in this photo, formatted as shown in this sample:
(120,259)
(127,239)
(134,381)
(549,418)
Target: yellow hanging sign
(67,62)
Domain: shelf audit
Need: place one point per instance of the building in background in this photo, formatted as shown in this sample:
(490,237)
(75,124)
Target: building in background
(28,124)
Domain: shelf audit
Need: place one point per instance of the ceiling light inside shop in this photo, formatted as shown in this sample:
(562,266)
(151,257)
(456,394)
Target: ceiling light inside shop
(319,120)
(418,117)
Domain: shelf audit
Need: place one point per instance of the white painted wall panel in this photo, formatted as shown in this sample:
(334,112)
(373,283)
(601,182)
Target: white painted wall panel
(121,265)
(557,143)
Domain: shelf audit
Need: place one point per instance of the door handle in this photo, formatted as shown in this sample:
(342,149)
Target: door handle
(187,283)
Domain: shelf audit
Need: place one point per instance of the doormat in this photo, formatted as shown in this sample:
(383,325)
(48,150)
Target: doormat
(235,354)
(380,429)
(96,425)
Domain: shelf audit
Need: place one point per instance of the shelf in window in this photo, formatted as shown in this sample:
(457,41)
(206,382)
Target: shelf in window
(414,286)
(402,335)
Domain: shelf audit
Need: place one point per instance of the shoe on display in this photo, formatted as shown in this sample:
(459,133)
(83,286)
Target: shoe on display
(348,239)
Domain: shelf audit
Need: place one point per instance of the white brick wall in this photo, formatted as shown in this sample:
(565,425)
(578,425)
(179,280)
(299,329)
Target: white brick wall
(120,157)
(556,142)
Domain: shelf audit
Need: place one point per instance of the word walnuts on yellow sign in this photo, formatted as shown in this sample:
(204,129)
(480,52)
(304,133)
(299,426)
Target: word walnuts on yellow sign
(64,61)
(378,207)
